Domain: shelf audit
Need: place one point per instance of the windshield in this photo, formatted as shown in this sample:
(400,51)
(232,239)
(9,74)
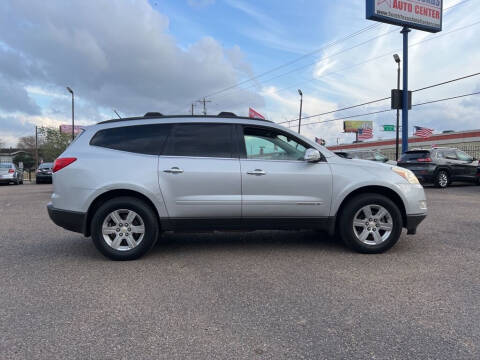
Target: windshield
(46,166)
(5,166)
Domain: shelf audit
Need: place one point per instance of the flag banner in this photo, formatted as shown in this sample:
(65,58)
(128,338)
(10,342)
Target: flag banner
(364,134)
(254,115)
(423,132)
(320,141)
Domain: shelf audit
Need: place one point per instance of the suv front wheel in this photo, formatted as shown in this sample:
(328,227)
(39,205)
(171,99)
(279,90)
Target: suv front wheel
(370,223)
(124,228)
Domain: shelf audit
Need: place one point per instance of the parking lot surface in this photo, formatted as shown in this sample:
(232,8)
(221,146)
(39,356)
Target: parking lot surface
(258,295)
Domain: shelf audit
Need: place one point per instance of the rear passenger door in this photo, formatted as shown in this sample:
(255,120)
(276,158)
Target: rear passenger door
(199,172)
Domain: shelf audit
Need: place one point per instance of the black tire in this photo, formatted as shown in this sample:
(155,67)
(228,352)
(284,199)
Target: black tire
(21,182)
(346,229)
(442,179)
(37,181)
(146,213)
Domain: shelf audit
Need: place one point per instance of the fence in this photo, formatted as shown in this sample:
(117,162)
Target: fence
(470,149)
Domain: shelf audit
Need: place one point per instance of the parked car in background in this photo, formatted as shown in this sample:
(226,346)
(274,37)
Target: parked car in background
(44,173)
(124,181)
(10,173)
(441,166)
(365,155)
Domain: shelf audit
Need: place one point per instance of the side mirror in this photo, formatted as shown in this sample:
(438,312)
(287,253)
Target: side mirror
(312,155)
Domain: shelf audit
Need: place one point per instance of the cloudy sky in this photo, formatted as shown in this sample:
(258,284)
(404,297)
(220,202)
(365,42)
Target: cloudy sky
(162,55)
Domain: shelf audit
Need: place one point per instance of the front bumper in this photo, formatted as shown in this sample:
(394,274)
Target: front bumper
(69,220)
(412,223)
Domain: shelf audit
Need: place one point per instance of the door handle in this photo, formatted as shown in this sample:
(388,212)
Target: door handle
(174,170)
(257,172)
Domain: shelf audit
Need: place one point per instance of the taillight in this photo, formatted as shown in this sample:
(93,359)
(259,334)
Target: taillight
(11,171)
(60,163)
(425,160)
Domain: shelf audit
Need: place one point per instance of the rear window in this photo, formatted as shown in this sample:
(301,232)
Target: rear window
(5,166)
(415,155)
(200,140)
(142,139)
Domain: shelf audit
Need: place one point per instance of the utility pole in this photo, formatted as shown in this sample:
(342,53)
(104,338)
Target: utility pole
(204,102)
(300,115)
(405,104)
(397,60)
(73,112)
(36,147)
(193,105)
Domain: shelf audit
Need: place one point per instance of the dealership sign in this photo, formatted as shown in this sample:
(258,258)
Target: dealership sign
(67,129)
(423,15)
(353,126)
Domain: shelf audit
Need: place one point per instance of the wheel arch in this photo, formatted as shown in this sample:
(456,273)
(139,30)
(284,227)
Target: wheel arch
(374,189)
(111,194)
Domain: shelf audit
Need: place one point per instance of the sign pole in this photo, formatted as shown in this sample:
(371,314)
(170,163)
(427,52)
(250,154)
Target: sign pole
(405,104)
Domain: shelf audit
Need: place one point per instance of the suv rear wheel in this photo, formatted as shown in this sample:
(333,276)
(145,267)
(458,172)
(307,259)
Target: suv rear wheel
(442,179)
(370,223)
(124,228)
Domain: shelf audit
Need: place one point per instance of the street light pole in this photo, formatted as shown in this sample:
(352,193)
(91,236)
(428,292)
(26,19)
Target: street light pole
(397,60)
(300,116)
(73,112)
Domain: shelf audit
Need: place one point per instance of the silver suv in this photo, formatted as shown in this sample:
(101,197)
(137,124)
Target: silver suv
(124,181)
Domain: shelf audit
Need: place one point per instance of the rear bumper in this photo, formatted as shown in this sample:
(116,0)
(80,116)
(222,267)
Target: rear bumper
(44,177)
(413,221)
(69,220)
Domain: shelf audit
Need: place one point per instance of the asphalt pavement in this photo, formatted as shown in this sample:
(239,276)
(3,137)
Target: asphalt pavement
(258,295)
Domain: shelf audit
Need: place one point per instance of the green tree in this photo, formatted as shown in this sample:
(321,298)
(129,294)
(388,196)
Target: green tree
(27,160)
(54,143)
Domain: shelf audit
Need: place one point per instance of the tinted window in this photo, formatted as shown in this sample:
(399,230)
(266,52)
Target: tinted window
(415,155)
(270,144)
(5,166)
(463,156)
(143,139)
(380,157)
(200,140)
(450,154)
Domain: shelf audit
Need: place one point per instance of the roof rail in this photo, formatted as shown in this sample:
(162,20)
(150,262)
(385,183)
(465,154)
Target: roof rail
(152,114)
(226,114)
(157,115)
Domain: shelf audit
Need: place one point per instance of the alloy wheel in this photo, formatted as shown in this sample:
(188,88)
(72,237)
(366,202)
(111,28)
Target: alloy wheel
(372,224)
(123,229)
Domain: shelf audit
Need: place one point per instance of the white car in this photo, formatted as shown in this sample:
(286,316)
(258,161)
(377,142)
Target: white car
(124,181)
(10,173)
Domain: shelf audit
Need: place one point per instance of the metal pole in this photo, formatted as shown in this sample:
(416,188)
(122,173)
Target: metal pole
(73,117)
(300,116)
(405,32)
(36,147)
(398,116)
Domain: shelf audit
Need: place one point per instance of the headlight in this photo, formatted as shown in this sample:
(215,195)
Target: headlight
(406,174)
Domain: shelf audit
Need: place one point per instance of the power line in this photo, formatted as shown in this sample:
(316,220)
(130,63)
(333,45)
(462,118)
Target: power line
(338,53)
(387,110)
(447,82)
(342,109)
(347,37)
(385,98)
(446,99)
(379,57)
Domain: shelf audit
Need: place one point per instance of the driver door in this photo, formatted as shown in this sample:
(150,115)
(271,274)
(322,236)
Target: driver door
(277,182)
